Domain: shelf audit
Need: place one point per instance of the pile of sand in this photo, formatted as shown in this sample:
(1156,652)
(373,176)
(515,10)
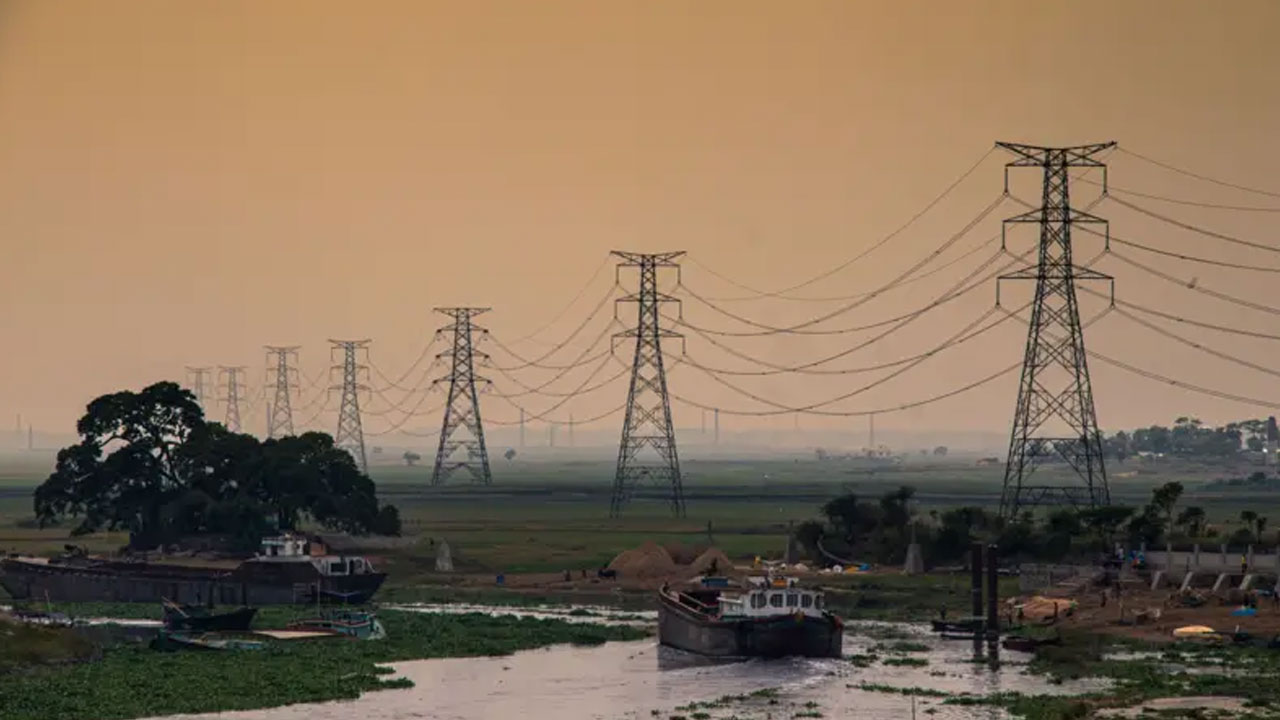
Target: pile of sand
(1039,608)
(648,560)
(712,562)
(682,554)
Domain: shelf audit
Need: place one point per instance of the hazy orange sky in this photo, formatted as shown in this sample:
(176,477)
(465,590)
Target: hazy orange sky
(183,182)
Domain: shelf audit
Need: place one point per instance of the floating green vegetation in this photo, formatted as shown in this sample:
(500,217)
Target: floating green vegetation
(862,661)
(906,661)
(131,681)
(901,646)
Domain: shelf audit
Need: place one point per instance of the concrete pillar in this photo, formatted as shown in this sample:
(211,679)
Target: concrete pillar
(1248,555)
(1156,579)
(1168,556)
(1222,580)
(1223,559)
(1186,582)
(1195,552)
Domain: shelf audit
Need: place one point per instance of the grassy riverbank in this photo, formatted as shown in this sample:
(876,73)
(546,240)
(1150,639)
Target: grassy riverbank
(132,681)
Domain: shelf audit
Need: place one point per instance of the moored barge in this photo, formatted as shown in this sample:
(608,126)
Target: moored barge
(769,617)
(287,570)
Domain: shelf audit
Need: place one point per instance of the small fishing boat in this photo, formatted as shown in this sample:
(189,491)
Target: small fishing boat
(354,623)
(1021,643)
(169,641)
(769,617)
(961,625)
(199,619)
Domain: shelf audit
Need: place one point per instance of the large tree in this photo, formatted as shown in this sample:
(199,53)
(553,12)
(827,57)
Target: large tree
(148,463)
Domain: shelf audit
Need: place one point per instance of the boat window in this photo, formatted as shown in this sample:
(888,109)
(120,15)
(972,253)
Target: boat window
(757,600)
(793,600)
(806,600)
(775,599)
(817,602)
(336,568)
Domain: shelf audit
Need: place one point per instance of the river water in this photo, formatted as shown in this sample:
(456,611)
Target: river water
(636,680)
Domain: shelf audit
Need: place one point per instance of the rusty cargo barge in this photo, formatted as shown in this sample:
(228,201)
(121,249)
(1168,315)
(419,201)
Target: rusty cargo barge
(769,618)
(287,570)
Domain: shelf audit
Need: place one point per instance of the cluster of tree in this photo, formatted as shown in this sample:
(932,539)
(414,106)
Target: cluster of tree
(880,530)
(1189,437)
(149,463)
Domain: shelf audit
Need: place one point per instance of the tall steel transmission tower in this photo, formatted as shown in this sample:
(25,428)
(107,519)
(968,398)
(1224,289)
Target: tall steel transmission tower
(1054,419)
(462,408)
(198,377)
(229,382)
(647,451)
(279,370)
(350,434)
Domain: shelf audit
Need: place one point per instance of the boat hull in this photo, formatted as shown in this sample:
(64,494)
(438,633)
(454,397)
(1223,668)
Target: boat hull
(250,584)
(238,619)
(779,636)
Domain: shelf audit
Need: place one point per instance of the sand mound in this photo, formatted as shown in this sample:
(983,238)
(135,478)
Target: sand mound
(648,560)
(712,561)
(1042,608)
(682,554)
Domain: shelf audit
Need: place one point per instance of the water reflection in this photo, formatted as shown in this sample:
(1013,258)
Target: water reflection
(632,680)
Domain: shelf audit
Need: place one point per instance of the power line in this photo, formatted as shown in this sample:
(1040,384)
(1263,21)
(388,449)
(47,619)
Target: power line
(577,296)
(852,328)
(538,361)
(1194,286)
(877,245)
(416,362)
(1198,346)
(1194,228)
(1180,384)
(855,370)
(948,295)
(794,329)
(1184,320)
(811,408)
(841,298)
(1194,258)
(1113,190)
(1198,176)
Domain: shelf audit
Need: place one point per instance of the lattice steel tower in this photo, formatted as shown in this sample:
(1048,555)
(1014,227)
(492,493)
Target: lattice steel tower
(199,385)
(350,435)
(1054,419)
(279,370)
(229,382)
(462,409)
(648,447)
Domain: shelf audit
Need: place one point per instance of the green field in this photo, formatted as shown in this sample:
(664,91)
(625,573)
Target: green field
(551,516)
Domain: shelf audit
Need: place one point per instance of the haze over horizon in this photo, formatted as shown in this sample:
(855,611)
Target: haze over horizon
(183,183)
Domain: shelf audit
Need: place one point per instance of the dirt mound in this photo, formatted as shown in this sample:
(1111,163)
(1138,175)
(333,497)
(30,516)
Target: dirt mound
(648,560)
(712,562)
(682,554)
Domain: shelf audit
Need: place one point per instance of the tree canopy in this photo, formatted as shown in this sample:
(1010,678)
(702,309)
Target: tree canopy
(148,462)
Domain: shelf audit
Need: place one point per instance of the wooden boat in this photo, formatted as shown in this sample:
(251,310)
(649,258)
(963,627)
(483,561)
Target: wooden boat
(767,618)
(170,641)
(962,625)
(199,619)
(354,623)
(1022,643)
(288,569)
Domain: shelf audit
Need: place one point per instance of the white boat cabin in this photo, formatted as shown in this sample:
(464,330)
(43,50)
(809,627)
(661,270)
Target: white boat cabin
(767,597)
(295,548)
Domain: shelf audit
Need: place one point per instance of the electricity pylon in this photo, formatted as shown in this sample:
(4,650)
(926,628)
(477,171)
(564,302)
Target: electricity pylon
(462,409)
(1054,419)
(350,435)
(280,411)
(648,419)
(199,387)
(229,380)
